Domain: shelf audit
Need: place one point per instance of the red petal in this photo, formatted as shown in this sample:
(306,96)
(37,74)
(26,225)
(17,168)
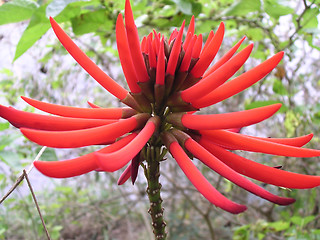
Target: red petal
(75,112)
(210,52)
(239,83)
(173,35)
(224,59)
(229,120)
(261,172)
(197,47)
(80,165)
(52,123)
(212,162)
(156,41)
(86,63)
(151,54)
(116,160)
(201,183)
(161,64)
(297,141)
(187,57)
(134,44)
(135,163)
(214,80)
(243,142)
(174,55)
(144,44)
(85,137)
(191,26)
(125,56)
(209,38)
(125,175)
(186,42)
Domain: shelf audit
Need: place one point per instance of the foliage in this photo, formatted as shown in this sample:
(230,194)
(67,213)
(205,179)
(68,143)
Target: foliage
(273,25)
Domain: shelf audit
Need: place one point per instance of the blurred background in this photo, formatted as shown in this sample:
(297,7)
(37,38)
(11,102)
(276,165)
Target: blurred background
(34,64)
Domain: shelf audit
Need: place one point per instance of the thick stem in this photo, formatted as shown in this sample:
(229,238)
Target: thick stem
(152,173)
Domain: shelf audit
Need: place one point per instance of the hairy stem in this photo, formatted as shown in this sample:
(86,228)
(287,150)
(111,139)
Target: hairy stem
(152,173)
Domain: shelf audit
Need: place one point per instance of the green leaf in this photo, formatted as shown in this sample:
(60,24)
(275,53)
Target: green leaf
(91,22)
(39,25)
(184,6)
(16,11)
(279,226)
(7,72)
(275,10)
(243,7)
(48,155)
(279,88)
(4,126)
(57,6)
(309,19)
(256,104)
(11,159)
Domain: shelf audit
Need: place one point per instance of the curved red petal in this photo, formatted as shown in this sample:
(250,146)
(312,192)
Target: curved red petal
(243,142)
(229,120)
(51,123)
(239,83)
(259,171)
(80,165)
(134,44)
(76,112)
(224,59)
(212,162)
(210,52)
(125,175)
(174,55)
(125,56)
(116,160)
(201,183)
(214,80)
(86,63)
(85,137)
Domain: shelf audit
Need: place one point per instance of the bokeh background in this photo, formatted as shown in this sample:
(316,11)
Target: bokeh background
(34,64)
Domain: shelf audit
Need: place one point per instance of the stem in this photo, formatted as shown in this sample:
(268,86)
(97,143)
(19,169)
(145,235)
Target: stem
(152,173)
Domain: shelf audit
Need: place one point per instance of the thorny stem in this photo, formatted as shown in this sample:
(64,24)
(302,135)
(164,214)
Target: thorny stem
(152,173)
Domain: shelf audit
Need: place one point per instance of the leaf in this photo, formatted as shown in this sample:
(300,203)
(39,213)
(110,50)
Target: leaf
(39,25)
(4,126)
(48,155)
(279,88)
(243,7)
(91,22)
(256,104)
(16,11)
(309,19)
(11,159)
(184,6)
(275,10)
(57,6)
(279,225)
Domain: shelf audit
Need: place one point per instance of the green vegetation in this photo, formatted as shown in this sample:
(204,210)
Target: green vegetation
(93,206)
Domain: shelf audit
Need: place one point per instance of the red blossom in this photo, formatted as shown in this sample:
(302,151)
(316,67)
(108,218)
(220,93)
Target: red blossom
(170,81)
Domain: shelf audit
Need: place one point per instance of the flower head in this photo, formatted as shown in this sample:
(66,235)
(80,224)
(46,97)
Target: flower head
(170,81)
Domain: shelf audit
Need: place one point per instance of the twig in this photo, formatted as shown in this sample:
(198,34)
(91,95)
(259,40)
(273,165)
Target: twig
(25,175)
(15,185)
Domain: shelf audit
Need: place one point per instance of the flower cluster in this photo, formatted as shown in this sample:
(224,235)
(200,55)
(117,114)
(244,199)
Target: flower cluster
(170,81)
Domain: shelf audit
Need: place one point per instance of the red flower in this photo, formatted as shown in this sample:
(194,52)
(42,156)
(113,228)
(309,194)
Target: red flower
(169,80)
